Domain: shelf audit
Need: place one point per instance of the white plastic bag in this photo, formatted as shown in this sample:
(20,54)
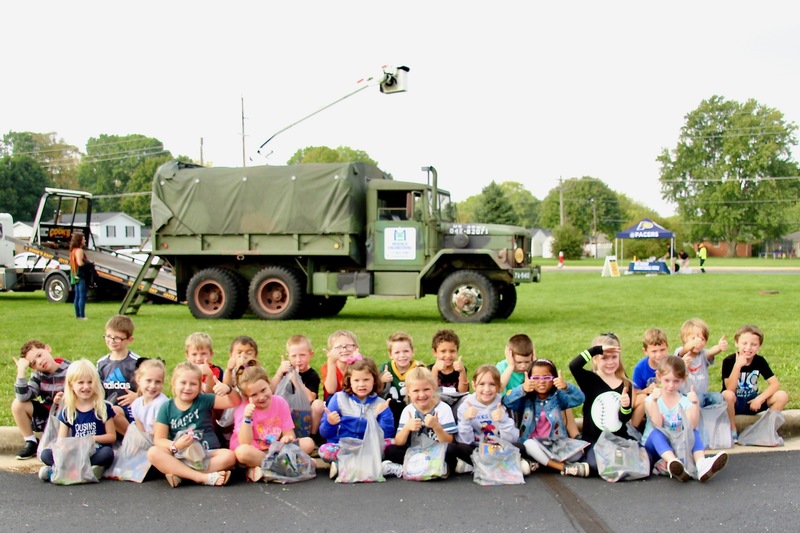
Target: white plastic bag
(50,433)
(297,400)
(359,461)
(715,427)
(425,460)
(130,460)
(288,463)
(764,432)
(71,461)
(620,459)
(496,462)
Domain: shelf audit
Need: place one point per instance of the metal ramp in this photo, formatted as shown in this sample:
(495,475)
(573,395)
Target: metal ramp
(142,286)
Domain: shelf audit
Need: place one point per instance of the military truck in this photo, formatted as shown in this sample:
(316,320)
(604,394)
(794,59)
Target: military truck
(297,241)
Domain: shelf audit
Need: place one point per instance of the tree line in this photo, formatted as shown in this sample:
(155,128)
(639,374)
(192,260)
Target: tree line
(731,176)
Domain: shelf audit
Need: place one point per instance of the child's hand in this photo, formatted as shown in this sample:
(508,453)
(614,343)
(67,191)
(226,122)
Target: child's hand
(438,366)
(382,406)
(284,367)
(458,365)
(184,441)
(755,404)
(499,413)
(650,388)
(692,396)
(611,349)
(22,366)
(386,376)
(687,358)
(559,382)
(333,417)
(249,409)
(205,369)
(528,385)
(509,357)
(286,439)
(722,344)
(656,394)
(332,355)
(127,398)
(625,398)
(220,389)
(413,425)
(432,421)
(57,398)
(741,360)
(470,411)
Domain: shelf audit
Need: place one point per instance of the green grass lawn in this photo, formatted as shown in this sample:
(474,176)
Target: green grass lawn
(562,315)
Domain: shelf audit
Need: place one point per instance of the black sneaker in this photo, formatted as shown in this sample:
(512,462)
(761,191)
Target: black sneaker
(28,450)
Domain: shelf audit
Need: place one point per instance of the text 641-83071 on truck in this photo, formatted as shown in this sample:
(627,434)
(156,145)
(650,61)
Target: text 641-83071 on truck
(61,213)
(296,241)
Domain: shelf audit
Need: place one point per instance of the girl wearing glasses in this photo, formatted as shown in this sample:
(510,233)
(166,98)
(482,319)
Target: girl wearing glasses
(540,402)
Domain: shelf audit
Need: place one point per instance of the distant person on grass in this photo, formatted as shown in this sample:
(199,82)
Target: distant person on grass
(702,254)
(79,266)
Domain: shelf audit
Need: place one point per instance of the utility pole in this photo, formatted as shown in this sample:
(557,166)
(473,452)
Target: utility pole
(594,225)
(244,158)
(201,151)
(561,201)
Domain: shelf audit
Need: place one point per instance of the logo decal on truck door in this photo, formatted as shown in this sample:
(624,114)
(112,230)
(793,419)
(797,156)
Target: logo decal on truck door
(400,243)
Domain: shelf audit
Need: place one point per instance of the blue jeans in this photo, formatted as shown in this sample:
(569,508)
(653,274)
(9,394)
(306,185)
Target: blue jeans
(80,298)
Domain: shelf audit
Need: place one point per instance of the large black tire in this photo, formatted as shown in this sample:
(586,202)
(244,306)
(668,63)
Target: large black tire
(57,289)
(276,293)
(323,306)
(242,287)
(508,300)
(468,297)
(214,293)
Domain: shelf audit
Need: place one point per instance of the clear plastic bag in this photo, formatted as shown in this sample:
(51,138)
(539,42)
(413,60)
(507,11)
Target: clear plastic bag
(298,402)
(50,433)
(620,459)
(287,463)
(425,460)
(764,432)
(715,427)
(195,454)
(130,460)
(359,461)
(496,462)
(71,461)
(564,449)
(682,442)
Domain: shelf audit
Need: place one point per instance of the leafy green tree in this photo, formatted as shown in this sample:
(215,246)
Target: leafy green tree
(493,207)
(466,209)
(590,206)
(58,159)
(111,160)
(22,181)
(324,154)
(725,173)
(526,205)
(567,239)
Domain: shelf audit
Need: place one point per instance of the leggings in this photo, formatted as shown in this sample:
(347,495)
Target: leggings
(103,456)
(658,443)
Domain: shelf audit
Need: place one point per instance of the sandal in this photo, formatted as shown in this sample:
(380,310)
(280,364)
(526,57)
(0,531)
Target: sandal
(214,478)
(173,480)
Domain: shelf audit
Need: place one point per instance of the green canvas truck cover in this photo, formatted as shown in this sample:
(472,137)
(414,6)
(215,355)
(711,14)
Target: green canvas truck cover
(314,198)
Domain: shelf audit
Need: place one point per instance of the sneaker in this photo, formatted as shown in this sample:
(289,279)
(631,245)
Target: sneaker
(463,467)
(525,467)
(576,469)
(254,474)
(734,436)
(28,450)
(389,468)
(45,472)
(334,470)
(676,470)
(98,470)
(708,466)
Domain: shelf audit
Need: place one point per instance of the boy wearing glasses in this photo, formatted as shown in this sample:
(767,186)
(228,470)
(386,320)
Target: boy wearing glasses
(117,370)
(342,351)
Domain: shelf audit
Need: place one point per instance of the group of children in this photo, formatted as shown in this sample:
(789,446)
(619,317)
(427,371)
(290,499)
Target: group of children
(523,401)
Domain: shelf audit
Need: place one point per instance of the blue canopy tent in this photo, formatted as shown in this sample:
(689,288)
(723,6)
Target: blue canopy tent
(645,229)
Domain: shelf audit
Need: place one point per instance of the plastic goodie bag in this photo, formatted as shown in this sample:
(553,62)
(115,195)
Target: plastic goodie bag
(424,460)
(619,458)
(764,432)
(563,450)
(298,402)
(682,441)
(194,455)
(130,460)
(359,461)
(50,433)
(287,463)
(71,461)
(496,462)
(715,427)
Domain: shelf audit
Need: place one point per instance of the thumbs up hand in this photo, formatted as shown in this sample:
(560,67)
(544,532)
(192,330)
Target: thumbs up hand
(413,425)
(333,417)
(559,382)
(722,344)
(284,367)
(625,398)
(220,389)
(692,396)
(432,421)
(470,412)
(386,376)
(499,412)
(528,385)
(250,408)
(382,406)
(458,365)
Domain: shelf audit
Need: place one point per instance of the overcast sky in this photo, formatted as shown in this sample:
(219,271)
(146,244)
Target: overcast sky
(504,91)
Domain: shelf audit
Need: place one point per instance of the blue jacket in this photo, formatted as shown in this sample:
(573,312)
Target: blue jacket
(531,408)
(354,421)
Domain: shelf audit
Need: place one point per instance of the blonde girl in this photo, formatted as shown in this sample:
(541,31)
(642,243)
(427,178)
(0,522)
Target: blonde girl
(85,413)
(149,377)
(482,414)
(191,410)
(606,385)
(669,410)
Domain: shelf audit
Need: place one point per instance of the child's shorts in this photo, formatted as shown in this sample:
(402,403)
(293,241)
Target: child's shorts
(40,416)
(743,408)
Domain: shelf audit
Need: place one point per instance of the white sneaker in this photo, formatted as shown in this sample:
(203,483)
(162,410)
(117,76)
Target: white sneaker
(334,470)
(389,468)
(677,470)
(525,467)
(45,472)
(576,469)
(707,467)
(98,470)
(463,467)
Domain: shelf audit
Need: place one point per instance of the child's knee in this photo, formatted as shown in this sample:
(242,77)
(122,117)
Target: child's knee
(18,407)
(778,400)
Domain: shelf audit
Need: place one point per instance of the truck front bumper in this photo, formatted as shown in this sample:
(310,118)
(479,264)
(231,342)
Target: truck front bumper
(528,275)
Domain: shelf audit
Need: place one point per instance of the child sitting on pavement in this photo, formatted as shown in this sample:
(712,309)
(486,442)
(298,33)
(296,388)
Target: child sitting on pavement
(394,372)
(655,348)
